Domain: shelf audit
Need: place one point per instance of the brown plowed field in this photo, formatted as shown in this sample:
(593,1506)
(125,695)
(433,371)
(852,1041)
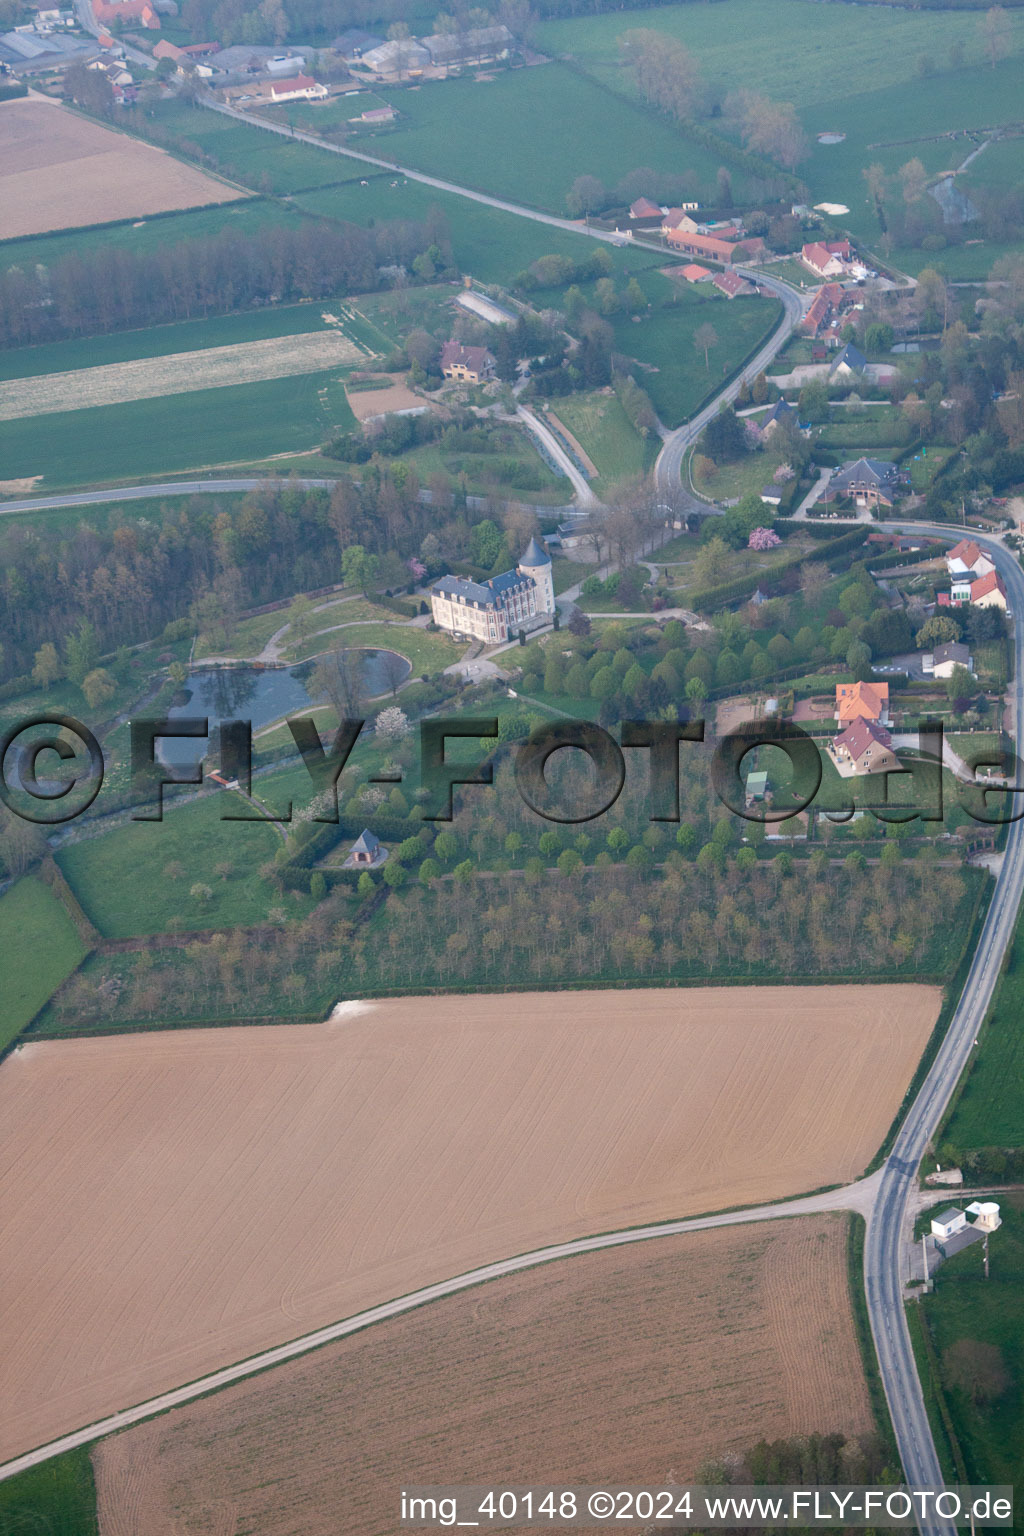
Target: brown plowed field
(58,170)
(174,1202)
(620,1367)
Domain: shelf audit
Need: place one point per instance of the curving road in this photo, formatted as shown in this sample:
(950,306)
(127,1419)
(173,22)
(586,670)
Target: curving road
(669,464)
(857,1197)
(883,1279)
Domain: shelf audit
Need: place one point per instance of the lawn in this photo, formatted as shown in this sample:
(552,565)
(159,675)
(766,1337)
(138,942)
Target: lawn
(491,245)
(41,948)
(486,474)
(606,433)
(428,652)
(966,1306)
(731,482)
(739,562)
(149,438)
(137,878)
(790,49)
(533,132)
(890,125)
(164,340)
(239,150)
(672,370)
(990,1109)
(249,217)
(55,1499)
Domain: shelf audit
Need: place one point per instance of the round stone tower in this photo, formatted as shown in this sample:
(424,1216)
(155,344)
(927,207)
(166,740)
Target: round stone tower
(536,562)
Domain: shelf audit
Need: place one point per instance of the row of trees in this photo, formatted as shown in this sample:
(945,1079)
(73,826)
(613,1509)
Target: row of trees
(118,288)
(666,74)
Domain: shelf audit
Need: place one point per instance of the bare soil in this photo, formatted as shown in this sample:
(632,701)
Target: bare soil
(379,402)
(59,170)
(175,1202)
(630,1366)
(179,373)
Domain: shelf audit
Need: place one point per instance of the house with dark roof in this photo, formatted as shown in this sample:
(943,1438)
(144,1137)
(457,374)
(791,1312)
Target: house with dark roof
(781,414)
(367,852)
(868,482)
(850,364)
(351,45)
(466,365)
(941,661)
(492,611)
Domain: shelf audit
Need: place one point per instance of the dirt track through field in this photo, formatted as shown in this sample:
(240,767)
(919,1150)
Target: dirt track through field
(174,1202)
(59,170)
(246,362)
(623,1366)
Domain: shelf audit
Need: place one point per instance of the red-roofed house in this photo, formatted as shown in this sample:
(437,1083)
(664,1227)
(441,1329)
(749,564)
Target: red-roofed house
(826,258)
(864,747)
(827,303)
(709,246)
(731,284)
(694,273)
(467,365)
(297,88)
(166,50)
(107,12)
(643,209)
(988,591)
(968,559)
(862,701)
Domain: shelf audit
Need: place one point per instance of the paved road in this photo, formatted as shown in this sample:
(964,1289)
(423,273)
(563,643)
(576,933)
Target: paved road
(669,464)
(894,1206)
(140,492)
(858,1197)
(552,447)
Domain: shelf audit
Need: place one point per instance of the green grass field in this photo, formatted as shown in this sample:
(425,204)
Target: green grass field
(491,245)
(145,439)
(428,652)
(122,882)
(966,1306)
(253,152)
(603,429)
(55,1499)
(890,125)
(533,132)
(673,372)
(733,481)
(162,340)
(249,216)
(791,49)
(41,948)
(990,1109)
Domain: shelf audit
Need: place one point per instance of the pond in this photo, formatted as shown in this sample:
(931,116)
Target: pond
(262,695)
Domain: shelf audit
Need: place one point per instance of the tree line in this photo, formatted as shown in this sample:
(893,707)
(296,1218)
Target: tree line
(119,289)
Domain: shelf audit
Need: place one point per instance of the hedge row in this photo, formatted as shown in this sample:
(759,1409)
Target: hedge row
(742,586)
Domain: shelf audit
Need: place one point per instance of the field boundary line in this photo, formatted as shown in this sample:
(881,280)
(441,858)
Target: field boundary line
(848,1197)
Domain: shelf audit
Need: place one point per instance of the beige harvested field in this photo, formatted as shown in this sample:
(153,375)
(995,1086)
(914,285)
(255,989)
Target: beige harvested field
(179,373)
(174,1202)
(620,1367)
(58,170)
(378,402)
